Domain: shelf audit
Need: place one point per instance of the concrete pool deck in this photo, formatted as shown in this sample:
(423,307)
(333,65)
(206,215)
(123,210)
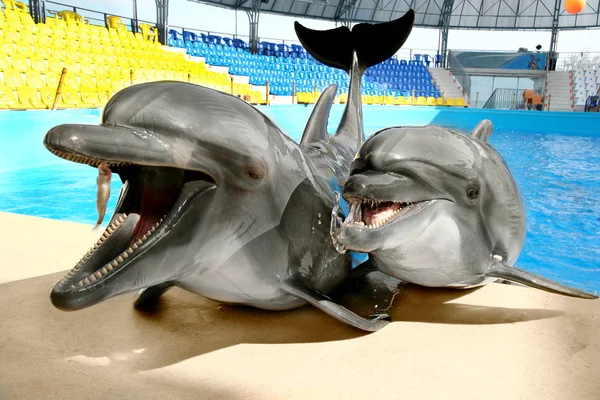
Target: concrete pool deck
(498,342)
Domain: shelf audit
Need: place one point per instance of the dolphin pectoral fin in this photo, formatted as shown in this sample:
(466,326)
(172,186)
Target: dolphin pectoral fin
(147,297)
(368,291)
(316,127)
(296,286)
(500,270)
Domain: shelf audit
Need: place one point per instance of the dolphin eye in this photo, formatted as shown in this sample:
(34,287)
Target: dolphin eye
(473,192)
(255,171)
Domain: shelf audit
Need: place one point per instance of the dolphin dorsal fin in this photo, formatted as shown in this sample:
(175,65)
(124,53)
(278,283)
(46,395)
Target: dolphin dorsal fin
(483,130)
(316,127)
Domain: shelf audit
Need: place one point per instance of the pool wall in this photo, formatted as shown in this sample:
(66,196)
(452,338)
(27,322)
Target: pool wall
(565,123)
(26,129)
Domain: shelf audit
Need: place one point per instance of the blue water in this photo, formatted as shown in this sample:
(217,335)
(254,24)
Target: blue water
(559,178)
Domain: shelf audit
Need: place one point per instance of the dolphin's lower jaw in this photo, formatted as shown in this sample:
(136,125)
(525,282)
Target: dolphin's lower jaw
(364,229)
(152,201)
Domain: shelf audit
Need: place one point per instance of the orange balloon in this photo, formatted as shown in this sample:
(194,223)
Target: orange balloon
(574,6)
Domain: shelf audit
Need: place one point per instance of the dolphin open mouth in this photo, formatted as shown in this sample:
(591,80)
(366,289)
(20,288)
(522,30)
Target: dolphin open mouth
(373,214)
(152,200)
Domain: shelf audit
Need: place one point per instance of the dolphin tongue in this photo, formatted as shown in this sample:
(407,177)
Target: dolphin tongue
(157,200)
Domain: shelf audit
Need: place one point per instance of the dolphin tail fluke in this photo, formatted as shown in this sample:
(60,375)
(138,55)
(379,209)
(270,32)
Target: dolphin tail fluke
(373,43)
(355,51)
(316,128)
(503,271)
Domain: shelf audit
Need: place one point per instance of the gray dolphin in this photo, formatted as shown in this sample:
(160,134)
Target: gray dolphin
(437,208)
(216,199)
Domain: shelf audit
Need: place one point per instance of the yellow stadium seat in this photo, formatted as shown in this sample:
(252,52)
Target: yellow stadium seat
(54,61)
(70,80)
(102,81)
(44,41)
(73,67)
(69,98)
(115,22)
(47,94)
(85,57)
(52,79)
(400,100)
(7,97)
(411,100)
(29,98)
(72,55)
(44,30)
(449,101)
(343,98)
(37,64)
(15,5)
(4,64)
(421,101)
(13,20)
(104,93)
(149,32)
(10,36)
(440,101)
(87,82)
(89,97)
(27,38)
(431,101)
(13,78)
(42,52)
(70,17)
(34,79)
(460,102)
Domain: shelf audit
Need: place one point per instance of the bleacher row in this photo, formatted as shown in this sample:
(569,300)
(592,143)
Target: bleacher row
(586,82)
(91,63)
(286,67)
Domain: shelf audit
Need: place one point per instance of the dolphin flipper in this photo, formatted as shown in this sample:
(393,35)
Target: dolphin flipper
(296,286)
(368,291)
(316,127)
(147,297)
(373,43)
(500,270)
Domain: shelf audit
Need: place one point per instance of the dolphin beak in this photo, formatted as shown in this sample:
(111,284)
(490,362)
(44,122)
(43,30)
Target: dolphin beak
(109,143)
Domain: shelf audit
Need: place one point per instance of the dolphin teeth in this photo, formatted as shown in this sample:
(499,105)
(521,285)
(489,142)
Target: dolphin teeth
(119,259)
(114,263)
(86,281)
(129,250)
(109,267)
(104,271)
(80,283)
(98,275)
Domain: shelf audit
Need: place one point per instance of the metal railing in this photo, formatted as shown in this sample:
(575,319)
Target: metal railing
(507,99)
(463,78)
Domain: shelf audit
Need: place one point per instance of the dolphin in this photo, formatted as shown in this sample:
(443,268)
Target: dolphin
(437,208)
(216,199)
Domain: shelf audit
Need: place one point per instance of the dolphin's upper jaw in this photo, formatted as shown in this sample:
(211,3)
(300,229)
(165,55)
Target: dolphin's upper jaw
(152,200)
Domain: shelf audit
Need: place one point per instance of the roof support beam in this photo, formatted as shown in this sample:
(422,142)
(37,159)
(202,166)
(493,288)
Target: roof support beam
(444,24)
(343,7)
(253,16)
(162,20)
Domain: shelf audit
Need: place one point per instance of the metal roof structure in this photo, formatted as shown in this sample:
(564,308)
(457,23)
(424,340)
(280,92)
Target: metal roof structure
(464,14)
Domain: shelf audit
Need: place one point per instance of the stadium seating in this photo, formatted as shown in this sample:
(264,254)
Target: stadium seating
(90,63)
(288,66)
(98,62)
(586,82)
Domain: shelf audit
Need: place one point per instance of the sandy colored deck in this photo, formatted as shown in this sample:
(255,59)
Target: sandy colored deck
(499,342)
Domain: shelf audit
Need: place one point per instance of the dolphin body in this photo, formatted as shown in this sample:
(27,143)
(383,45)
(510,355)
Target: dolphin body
(436,208)
(216,199)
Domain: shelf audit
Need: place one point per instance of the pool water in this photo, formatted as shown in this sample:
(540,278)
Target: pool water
(559,178)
